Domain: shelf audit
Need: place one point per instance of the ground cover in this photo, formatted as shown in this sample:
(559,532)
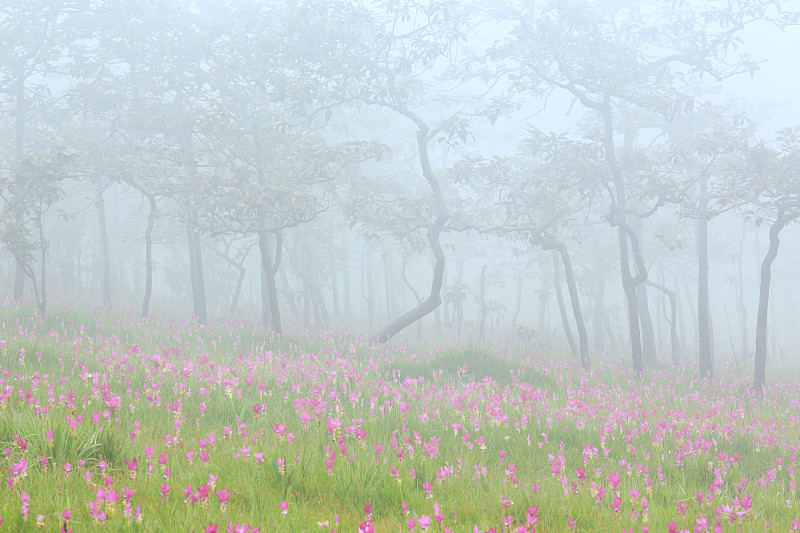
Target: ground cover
(110,422)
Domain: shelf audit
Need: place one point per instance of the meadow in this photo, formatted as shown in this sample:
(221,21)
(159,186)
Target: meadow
(110,422)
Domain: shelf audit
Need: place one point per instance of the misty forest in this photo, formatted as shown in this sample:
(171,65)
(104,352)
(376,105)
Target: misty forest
(399,265)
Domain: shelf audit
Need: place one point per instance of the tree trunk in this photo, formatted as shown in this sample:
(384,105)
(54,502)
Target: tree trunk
(705,357)
(629,282)
(148,256)
(482,328)
(562,309)
(289,293)
(520,280)
(740,297)
(759,374)
(599,311)
(366,276)
(269,267)
(572,289)
(100,205)
(348,308)
(196,270)
(19,153)
(646,322)
(434,299)
(675,344)
(335,293)
(417,297)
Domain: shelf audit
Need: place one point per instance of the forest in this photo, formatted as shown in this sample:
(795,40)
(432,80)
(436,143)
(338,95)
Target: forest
(433,228)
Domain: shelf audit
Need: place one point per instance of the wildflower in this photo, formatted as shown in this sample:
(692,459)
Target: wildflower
(284,507)
(424,521)
(223,496)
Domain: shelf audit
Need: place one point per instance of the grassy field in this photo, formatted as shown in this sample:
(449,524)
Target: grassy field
(109,422)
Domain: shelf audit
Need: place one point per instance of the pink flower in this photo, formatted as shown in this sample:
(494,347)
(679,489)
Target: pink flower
(284,507)
(424,521)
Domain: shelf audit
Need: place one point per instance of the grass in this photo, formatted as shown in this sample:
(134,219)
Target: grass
(328,423)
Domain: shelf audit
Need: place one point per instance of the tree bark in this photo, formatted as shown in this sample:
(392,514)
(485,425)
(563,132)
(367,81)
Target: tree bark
(759,374)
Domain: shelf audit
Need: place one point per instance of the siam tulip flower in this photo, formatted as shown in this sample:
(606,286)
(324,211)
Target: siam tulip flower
(223,496)
(424,521)
(284,507)
(616,503)
(165,491)
(211,528)
(24,500)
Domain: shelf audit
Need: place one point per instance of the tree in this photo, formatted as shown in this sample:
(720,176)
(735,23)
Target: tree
(611,57)
(774,191)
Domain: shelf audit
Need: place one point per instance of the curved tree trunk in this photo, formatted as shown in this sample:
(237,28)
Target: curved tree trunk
(434,298)
(759,373)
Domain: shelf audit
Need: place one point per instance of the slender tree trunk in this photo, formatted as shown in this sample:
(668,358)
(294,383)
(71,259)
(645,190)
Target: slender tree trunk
(387,289)
(148,256)
(759,374)
(646,322)
(599,311)
(483,302)
(269,267)
(266,315)
(417,297)
(335,293)
(238,291)
(348,308)
(572,289)
(19,153)
(290,298)
(100,205)
(520,280)
(366,276)
(196,269)
(675,344)
(705,357)
(649,351)
(740,296)
(544,296)
(42,263)
(562,309)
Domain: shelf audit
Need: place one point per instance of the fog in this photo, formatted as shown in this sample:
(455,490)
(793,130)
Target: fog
(601,179)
